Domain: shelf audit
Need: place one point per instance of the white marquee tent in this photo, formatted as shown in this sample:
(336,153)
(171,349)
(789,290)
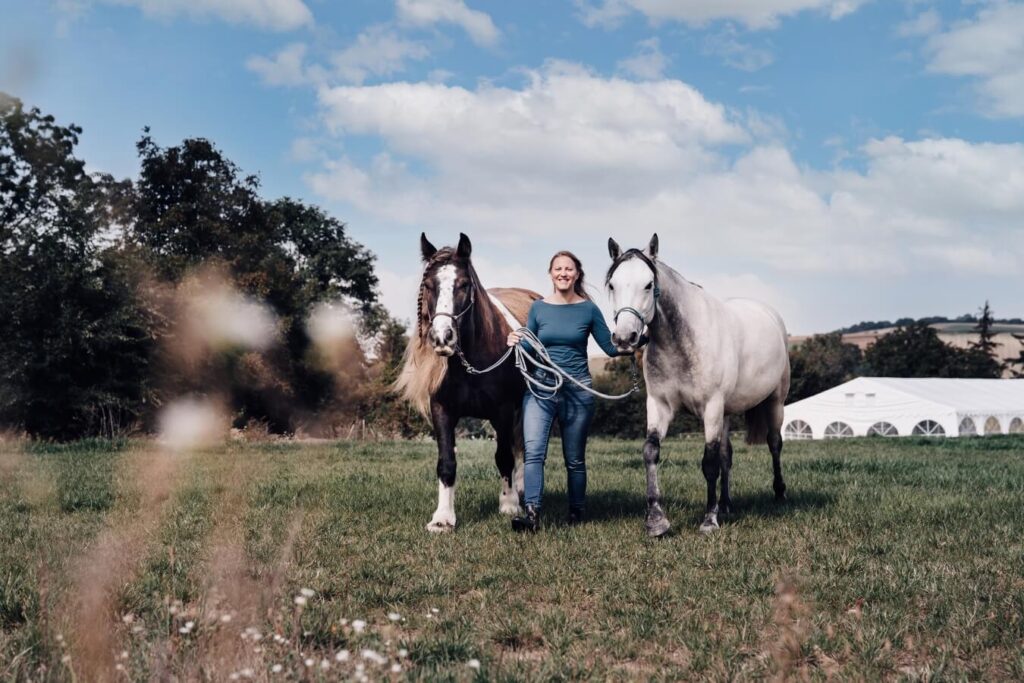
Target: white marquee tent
(887,406)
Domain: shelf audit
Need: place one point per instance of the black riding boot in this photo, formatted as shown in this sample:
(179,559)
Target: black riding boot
(528,521)
(576,516)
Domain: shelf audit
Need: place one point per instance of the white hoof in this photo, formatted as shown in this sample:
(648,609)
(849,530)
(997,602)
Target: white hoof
(441,524)
(710,523)
(510,509)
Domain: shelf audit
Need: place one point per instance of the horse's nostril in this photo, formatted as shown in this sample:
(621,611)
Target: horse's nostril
(633,336)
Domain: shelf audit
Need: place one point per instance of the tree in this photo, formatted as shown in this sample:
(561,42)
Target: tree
(74,347)
(985,343)
(194,206)
(821,362)
(917,351)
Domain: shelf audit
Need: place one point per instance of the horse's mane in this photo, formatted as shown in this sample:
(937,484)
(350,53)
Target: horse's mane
(423,370)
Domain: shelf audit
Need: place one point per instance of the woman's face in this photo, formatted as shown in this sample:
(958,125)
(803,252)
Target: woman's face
(563,274)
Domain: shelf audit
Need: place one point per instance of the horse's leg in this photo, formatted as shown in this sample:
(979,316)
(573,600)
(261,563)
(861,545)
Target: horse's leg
(775,446)
(724,501)
(504,458)
(444,431)
(659,415)
(714,419)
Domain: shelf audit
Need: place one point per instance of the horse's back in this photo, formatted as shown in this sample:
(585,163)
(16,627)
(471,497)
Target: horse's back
(516,300)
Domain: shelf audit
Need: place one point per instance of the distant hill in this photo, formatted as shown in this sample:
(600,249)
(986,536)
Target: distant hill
(967,320)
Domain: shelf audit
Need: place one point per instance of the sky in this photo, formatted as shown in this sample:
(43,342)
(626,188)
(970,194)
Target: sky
(841,160)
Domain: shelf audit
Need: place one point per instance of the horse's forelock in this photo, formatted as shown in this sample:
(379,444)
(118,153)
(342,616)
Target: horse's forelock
(626,256)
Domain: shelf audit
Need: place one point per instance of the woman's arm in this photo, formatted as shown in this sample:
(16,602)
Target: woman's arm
(599,328)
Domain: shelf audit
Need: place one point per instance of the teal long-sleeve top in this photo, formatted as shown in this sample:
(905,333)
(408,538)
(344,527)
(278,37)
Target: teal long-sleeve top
(564,329)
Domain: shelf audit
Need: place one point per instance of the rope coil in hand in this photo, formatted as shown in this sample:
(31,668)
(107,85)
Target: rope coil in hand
(544,363)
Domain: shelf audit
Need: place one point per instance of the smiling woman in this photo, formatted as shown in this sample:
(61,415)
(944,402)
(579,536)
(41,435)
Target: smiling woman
(563,322)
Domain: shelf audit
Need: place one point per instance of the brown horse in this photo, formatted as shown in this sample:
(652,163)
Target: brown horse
(459,322)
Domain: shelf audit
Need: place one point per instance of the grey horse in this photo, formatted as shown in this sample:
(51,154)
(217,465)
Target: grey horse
(713,358)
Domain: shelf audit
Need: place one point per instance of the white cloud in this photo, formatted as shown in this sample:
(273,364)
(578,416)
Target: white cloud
(571,153)
(924,24)
(565,125)
(754,14)
(274,15)
(735,53)
(285,68)
(647,63)
(423,13)
(991,49)
(377,51)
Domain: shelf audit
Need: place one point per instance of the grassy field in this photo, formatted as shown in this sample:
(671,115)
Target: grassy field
(894,559)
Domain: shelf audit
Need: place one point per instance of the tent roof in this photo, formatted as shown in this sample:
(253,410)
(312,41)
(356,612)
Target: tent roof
(960,395)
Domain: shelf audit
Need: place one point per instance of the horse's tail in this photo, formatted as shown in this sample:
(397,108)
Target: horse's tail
(759,419)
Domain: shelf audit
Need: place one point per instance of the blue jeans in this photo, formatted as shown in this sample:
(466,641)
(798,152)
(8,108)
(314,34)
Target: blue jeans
(574,409)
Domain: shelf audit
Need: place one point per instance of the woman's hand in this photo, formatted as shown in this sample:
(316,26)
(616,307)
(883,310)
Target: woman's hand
(514,338)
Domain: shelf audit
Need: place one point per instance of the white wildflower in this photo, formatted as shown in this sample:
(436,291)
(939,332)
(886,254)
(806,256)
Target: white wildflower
(308,592)
(374,656)
(341,656)
(394,616)
(474,664)
(358,625)
(277,668)
(396,668)
(301,600)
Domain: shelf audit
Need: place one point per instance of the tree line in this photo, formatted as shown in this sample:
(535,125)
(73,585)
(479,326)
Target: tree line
(92,265)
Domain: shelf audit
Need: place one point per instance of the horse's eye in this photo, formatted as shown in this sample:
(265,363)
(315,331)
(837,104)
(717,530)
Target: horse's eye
(649,285)
(611,287)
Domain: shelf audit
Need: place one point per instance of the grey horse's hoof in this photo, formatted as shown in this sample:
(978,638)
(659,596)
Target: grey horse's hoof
(710,523)
(657,526)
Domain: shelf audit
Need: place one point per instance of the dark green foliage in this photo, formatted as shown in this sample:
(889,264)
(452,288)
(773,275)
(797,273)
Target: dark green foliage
(75,346)
(627,418)
(88,264)
(194,207)
(917,351)
(819,363)
(985,343)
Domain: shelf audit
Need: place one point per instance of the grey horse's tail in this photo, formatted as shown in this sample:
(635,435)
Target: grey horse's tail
(759,420)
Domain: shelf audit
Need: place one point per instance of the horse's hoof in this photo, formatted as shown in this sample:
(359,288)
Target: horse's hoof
(710,524)
(441,526)
(657,526)
(511,509)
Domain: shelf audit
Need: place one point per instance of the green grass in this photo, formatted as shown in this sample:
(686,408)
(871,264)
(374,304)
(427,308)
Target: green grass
(894,559)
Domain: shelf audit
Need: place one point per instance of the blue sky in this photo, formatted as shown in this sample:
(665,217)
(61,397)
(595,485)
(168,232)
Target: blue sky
(840,159)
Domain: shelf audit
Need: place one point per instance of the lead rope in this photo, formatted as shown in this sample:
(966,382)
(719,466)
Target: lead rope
(524,359)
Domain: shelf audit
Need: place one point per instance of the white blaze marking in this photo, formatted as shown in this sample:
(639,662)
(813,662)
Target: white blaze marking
(505,313)
(445,300)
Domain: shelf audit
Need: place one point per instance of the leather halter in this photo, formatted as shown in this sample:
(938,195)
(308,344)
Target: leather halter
(657,293)
(458,316)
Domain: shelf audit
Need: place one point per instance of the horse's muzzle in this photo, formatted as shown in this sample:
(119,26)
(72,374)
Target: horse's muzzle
(446,351)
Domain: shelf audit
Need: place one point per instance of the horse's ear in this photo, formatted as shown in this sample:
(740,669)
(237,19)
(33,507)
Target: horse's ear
(613,249)
(426,248)
(465,248)
(652,248)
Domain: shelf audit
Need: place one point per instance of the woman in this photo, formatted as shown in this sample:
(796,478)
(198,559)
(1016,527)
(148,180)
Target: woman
(563,321)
